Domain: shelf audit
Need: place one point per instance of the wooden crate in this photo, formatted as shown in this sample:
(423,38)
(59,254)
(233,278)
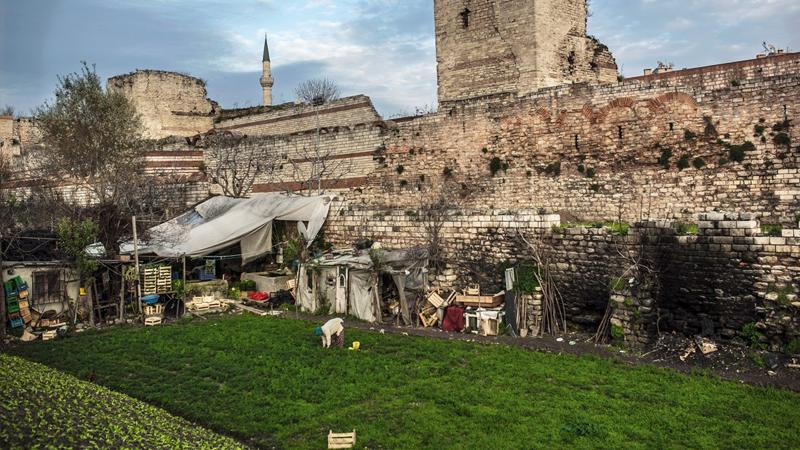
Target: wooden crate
(441,300)
(482,301)
(341,440)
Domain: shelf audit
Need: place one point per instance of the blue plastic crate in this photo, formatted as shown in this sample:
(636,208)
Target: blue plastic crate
(16,323)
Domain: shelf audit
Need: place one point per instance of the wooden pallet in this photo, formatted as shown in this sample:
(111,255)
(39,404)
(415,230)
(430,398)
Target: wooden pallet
(482,301)
(341,440)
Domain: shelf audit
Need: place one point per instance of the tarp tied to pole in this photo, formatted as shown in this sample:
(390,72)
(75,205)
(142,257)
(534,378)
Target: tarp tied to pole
(221,222)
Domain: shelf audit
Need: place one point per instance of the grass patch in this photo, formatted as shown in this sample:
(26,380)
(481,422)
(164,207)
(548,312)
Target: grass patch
(268,380)
(43,408)
(687,229)
(620,228)
(772,230)
(618,284)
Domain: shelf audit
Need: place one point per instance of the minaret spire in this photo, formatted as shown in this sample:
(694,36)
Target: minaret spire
(266,49)
(266,75)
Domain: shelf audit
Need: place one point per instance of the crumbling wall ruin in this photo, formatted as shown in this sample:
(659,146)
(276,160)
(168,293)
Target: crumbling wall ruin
(169,103)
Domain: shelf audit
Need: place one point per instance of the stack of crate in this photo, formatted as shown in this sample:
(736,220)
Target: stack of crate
(150,285)
(157,280)
(12,304)
(164,282)
(24,305)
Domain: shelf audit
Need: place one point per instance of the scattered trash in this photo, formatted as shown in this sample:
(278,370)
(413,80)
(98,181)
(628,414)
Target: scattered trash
(383,331)
(355,345)
(707,346)
(560,340)
(405,334)
(689,351)
(772,361)
(28,336)
(572,343)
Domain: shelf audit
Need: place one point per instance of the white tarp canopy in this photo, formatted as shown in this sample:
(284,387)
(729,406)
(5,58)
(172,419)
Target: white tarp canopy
(221,222)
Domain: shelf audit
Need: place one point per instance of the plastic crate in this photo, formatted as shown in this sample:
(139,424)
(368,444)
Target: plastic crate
(16,323)
(12,306)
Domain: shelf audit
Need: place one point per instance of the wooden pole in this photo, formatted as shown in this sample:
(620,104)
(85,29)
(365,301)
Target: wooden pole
(183,300)
(90,296)
(121,312)
(136,259)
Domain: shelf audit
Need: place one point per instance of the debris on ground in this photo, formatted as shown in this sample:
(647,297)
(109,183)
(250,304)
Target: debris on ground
(707,346)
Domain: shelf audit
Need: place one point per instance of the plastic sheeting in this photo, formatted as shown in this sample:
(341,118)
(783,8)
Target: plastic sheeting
(363,296)
(221,222)
(406,267)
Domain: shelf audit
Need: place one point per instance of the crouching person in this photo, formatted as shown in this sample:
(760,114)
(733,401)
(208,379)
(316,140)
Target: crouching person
(332,333)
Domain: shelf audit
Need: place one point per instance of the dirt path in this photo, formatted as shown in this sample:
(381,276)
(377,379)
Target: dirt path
(731,362)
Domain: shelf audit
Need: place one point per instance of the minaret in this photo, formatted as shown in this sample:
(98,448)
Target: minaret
(266,75)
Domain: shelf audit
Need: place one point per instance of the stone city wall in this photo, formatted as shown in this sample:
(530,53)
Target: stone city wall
(292,118)
(727,275)
(662,146)
(671,146)
(344,155)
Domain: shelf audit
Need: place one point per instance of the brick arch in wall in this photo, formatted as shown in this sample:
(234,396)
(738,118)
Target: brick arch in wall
(661,102)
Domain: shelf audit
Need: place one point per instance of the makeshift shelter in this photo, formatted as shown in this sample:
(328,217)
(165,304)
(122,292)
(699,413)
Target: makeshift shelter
(222,222)
(351,283)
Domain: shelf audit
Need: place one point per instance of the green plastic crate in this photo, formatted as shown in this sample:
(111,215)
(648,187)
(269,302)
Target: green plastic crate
(12,307)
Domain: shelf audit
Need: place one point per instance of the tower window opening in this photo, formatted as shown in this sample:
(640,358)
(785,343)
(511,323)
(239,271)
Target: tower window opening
(672,126)
(577,142)
(621,133)
(465,18)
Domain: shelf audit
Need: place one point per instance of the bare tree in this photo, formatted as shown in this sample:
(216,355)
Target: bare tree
(313,165)
(316,167)
(7,110)
(434,211)
(237,161)
(317,91)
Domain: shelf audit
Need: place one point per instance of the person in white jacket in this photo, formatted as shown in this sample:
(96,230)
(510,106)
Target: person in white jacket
(332,328)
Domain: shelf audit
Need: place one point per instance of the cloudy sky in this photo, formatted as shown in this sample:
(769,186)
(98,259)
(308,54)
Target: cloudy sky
(382,48)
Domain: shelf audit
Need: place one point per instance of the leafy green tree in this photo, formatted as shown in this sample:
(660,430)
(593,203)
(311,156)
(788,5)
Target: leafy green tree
(73,238)
(92,138)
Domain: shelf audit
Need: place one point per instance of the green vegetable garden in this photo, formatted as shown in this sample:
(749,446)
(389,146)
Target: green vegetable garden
(44,408)
(267,383)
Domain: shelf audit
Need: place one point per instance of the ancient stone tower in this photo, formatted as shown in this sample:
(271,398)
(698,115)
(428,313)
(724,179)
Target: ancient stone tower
(486,47)
(266,75)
